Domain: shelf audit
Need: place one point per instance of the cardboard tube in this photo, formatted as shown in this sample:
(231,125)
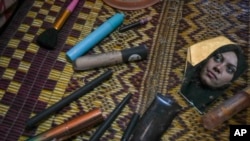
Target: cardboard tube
(227,109)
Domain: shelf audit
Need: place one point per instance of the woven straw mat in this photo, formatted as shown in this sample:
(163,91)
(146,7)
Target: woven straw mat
(33,78)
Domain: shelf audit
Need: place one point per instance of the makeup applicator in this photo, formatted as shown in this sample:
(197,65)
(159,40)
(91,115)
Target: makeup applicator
(48,38)
(135,24)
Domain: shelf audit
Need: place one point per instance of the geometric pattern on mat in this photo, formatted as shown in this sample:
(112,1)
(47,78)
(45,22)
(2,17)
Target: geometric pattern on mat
(33,78)
(203,20)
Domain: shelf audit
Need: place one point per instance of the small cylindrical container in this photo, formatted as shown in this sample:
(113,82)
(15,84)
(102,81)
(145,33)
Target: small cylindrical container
(70,128)
(95,37)
(156,120)
(227,109)
(111,58)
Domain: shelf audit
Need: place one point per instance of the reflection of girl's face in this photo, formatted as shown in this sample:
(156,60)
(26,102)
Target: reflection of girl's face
(219,70)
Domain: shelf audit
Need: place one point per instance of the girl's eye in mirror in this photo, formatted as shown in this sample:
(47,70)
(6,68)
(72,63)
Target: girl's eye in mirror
(218,58)
(231,69)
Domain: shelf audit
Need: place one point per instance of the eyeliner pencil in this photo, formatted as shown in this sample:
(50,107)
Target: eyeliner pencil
(135,118)
(134,24)
(65,101)
(100,131)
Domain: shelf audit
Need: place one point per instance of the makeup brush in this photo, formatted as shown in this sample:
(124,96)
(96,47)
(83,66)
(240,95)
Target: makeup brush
(48,38)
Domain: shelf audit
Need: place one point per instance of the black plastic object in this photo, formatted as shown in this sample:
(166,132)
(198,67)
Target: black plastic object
(131,126)
(110,119)
(48,38)
(34,121)
(156,119)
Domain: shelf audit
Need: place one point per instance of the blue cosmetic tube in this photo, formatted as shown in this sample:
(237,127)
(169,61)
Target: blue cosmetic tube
(95,37)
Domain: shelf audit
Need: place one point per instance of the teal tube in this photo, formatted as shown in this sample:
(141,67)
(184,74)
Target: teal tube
(95,37)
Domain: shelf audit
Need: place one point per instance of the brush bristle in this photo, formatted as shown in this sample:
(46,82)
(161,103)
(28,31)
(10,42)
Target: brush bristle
(48,39)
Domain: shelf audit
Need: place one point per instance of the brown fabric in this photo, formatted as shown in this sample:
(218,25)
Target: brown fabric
(33,78)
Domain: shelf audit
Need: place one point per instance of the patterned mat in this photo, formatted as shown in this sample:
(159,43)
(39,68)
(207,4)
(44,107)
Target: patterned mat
(33,78)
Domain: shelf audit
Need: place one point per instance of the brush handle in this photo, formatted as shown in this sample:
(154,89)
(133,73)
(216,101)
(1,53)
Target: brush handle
(72,5)
(59,23)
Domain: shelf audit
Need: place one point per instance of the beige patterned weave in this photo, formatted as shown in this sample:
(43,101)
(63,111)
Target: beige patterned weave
(33,78)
